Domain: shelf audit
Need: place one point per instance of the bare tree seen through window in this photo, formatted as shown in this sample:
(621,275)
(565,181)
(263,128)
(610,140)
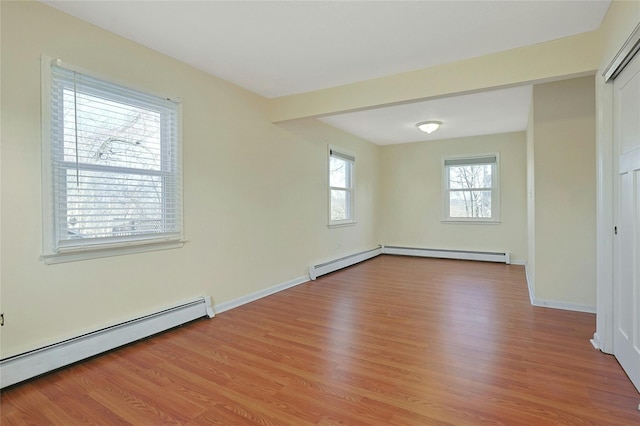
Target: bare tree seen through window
(470,189)
(340,189)
(111,166)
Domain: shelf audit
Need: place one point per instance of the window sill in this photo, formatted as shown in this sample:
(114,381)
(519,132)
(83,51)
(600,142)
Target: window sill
(342,224)
(469,222)
(97,253)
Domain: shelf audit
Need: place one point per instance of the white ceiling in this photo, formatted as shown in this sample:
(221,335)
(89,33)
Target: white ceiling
(497,111)
(278,48)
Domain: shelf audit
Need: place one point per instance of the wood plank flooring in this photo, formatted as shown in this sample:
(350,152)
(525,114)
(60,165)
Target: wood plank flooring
(391,341)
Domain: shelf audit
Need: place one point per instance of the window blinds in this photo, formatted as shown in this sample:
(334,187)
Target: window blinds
(469,161)
(115,163)
(341,155)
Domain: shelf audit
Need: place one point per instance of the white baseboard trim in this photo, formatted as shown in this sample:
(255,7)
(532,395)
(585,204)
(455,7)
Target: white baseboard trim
(596,341)
(567,306)
(30,364)
(343,262)
(225,306)
(448,254)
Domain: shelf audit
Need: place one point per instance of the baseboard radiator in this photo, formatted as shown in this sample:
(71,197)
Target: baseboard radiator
(449,254)
(24,366)
(325,268)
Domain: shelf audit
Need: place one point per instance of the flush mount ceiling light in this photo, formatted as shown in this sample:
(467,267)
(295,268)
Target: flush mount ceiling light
(429,126)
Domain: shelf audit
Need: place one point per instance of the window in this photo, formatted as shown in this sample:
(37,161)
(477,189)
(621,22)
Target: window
(471,189)
(341,173)
(112,177)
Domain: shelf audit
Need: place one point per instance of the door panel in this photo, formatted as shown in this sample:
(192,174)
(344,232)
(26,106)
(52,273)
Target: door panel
(626,336)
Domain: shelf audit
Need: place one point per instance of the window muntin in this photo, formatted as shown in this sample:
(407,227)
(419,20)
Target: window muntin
(113,162)
(341,167)
(471,189)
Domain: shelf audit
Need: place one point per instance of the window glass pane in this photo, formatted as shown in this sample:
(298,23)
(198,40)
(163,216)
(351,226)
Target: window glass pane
(104,204)
(339,205)
(470,204)
(338,172)
(470,176)
(341,169)
(110,133)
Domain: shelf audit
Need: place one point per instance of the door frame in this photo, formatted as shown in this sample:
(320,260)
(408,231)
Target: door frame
(605,175)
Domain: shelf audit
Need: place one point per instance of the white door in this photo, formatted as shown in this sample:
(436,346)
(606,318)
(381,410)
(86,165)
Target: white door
(626,286)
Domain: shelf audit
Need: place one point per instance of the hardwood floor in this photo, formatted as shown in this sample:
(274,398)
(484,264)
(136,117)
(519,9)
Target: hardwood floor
(392,341)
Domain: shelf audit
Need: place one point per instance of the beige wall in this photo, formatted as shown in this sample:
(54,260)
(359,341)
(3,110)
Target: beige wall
(564,191)
(255,197)
(255,193)
(412,194)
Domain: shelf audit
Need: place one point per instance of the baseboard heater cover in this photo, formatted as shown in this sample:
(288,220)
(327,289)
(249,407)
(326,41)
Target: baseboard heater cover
(325,268)
(449,254)
(30,364)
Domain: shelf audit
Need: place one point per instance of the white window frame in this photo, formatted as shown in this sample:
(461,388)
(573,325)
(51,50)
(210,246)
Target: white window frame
(495,188)
(350,158)
(59,251)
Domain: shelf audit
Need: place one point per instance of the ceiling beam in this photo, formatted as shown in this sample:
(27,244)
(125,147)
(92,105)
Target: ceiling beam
(554,60)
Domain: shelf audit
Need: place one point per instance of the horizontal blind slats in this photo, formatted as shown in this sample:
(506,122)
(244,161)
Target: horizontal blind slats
(342,155)
(116,163)
(470,161)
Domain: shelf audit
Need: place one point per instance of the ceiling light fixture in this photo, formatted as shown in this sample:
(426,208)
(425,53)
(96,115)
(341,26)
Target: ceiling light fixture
(429,126)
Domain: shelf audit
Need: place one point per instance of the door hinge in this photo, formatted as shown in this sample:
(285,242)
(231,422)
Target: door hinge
(615,230)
